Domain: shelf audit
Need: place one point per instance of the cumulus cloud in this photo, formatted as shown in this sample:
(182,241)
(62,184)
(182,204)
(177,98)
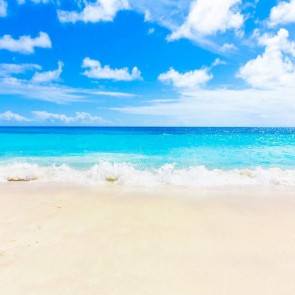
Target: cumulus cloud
(41,86)
(10,116)
(283,13)
(86,117)
(44,116)
(25,44)
(48,76)
(101,10)
(38,87)
(191,79)
(95,70)
(3,8)
(275,67)
(197,20)
(80,117)
(208,18)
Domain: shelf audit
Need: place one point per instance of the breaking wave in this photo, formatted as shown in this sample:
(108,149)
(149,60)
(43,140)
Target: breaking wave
(107,172)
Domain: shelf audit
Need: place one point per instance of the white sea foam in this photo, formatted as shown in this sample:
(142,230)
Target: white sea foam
(106,172)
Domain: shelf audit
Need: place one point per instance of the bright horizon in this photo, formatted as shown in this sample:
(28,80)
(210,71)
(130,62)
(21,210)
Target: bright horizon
(151,63)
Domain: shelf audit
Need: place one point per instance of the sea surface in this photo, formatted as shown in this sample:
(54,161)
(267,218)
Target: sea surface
(149,156)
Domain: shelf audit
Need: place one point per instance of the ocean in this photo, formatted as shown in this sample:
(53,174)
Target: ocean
(183,156)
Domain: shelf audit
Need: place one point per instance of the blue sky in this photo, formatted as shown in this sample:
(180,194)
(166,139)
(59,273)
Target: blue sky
(147,63)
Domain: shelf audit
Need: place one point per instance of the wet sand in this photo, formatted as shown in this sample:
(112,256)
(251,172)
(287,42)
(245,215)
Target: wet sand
(115,240)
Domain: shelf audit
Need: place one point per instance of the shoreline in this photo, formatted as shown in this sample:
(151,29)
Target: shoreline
(108,172)
(73,239)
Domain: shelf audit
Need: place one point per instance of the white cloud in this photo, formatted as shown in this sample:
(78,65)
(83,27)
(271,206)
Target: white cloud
(151,31)
(228,47)
(275,67)
(52,93)
(283,13)
(207,23)
(80,117)
(101,10)
(10,116)
(220,107)
(3,8)
(113,93)
(11,69)
(38,87)
(25,44)
(95,70)
(48,76)
(88,118)
(191,79)
(208,18)
(217,62)
(41,86)
(168,13)
(43,116)
(192,19)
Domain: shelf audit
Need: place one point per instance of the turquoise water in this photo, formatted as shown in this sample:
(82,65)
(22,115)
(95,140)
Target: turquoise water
(190,153)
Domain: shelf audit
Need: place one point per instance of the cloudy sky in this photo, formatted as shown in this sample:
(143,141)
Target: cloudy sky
(147,62)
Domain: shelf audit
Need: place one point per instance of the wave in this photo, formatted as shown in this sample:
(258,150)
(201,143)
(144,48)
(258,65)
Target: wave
(107,172)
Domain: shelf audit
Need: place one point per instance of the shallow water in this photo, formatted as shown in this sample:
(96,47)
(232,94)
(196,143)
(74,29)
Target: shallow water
(180,156)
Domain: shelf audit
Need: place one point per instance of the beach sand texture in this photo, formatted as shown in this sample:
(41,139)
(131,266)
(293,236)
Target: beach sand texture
(116,240)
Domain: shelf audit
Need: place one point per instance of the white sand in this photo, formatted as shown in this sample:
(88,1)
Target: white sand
(61,240)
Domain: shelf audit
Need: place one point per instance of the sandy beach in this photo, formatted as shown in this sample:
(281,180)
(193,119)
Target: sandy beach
(116,240)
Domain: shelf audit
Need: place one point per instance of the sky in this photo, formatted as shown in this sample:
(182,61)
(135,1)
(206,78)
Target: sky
(147,63)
